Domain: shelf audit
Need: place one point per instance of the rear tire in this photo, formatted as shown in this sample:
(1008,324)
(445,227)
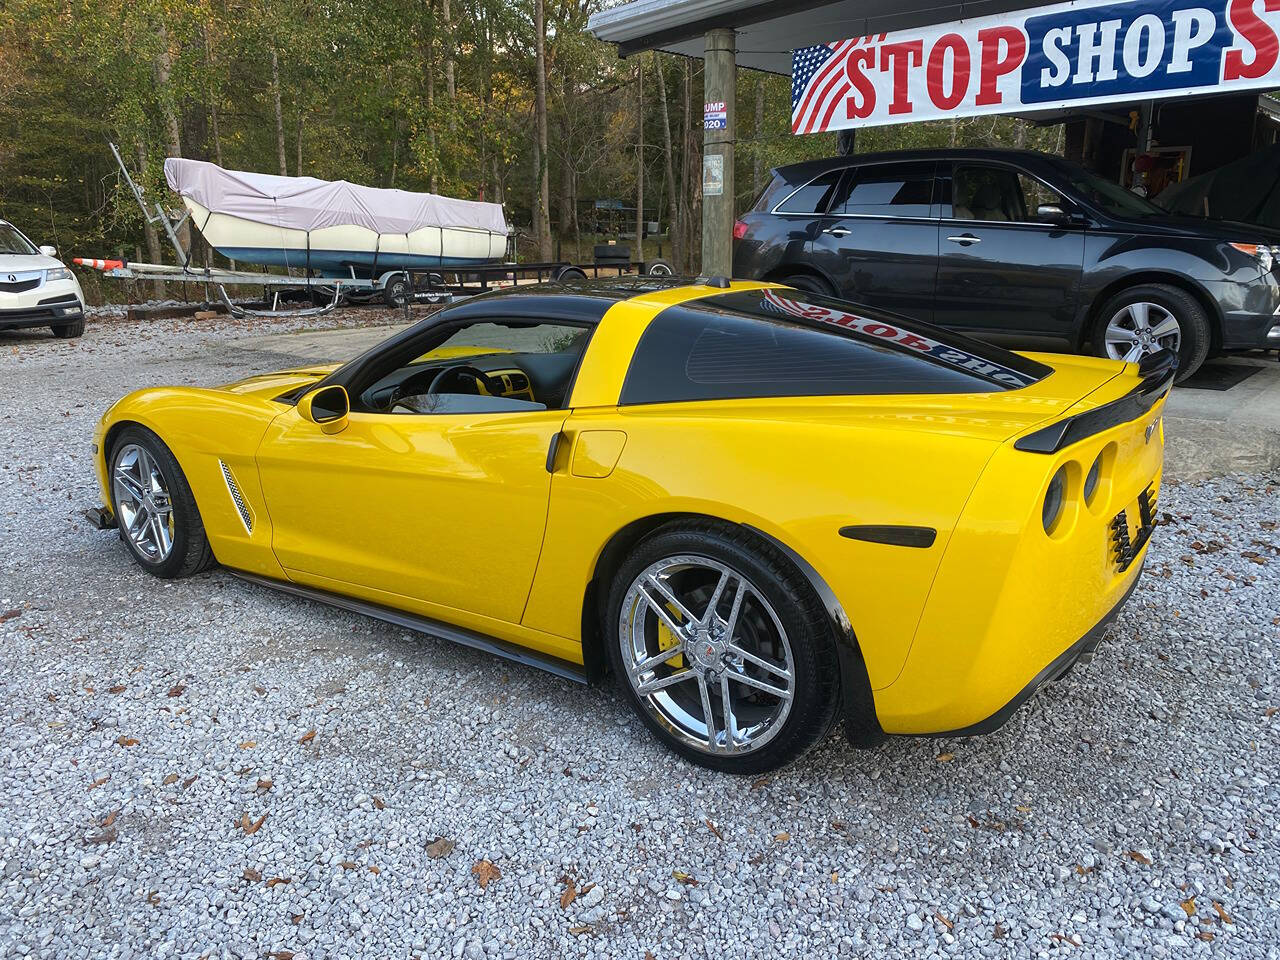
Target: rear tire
(809,283)
(1153,304)
(659,268)
(140,455)
(779,621)
(396,290)
(69,331)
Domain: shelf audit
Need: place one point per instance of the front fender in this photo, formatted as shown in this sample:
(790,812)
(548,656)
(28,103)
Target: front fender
(205,429)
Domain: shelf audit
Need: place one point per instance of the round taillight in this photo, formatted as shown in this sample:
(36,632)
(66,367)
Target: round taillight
(1091,480)
(1053,499)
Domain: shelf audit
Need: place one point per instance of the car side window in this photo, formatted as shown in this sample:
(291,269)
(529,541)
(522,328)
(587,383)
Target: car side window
(998,195)
(886,190)
(814,197)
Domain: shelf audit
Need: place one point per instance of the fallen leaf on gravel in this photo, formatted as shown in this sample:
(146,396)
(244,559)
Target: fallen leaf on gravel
(377,802)
(171,778)
(943,920)
(1270,711)
(99,782)
(188,782)
(946,757)
(281,955)
(176,690)
(251,827)
(485,873)
(782,837)
(153,898)
(578,931)
(973,821)
(1139,857)
(714,829)
(248,744)
(569,895)
(1189,906)
(106,836)
(276,881)
(118,688)
(760,783)
(260,691)
(264,783)
(1022,809)
(838,825)
(52,697)
(1205,935)
(297,918)
(375,870)
(307,737)
(9,615)
(999,933)
(126,741)
(252,875)
(1222,914)
(686,878)
(439,847)
(648,955)
(348,864)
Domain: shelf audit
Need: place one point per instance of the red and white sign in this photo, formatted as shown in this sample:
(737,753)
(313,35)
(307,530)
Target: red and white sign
(1064,55)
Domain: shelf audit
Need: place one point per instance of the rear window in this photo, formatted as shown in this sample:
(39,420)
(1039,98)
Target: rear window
(814,197)
(781,343)
(883,190)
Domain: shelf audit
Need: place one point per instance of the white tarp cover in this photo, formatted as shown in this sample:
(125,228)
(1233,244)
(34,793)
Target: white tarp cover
(305,203)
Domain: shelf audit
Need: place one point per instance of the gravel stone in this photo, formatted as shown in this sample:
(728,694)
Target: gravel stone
(1144,780)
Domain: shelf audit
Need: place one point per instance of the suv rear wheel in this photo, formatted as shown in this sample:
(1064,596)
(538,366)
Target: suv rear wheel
(809,283)
(1149,317)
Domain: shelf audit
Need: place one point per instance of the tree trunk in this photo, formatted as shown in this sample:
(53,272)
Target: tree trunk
(275,97)
(673,201)
(542,203)
(450,86)
(639,254)
(164,87)
(212,98)
(431,97)
(153,237)
(757,148)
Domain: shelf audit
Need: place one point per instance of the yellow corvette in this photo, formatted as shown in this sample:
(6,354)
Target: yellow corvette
(762,510)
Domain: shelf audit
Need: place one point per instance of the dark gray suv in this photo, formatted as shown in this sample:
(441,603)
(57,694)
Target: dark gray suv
(1016,246)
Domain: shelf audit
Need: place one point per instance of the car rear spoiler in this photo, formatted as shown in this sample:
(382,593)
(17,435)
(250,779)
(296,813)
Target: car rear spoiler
(1157,371)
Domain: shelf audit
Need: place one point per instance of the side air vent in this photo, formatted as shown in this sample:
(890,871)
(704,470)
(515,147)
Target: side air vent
(242,508)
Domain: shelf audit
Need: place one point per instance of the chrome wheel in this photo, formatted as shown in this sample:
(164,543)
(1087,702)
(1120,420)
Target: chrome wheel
(144,509)
(706,655)
(1139,329)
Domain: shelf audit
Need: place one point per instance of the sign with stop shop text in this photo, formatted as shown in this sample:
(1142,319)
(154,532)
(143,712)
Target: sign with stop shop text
(1064,55)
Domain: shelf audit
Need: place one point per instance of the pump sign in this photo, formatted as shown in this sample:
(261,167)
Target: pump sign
(1065,55)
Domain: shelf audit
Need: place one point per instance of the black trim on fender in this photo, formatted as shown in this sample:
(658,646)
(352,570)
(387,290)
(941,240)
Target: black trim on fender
(1061,665)
(895,535)
(446,631)
(1158,373)
(861,726)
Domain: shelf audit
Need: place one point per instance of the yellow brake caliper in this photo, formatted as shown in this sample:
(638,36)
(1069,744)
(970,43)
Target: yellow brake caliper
(667,640)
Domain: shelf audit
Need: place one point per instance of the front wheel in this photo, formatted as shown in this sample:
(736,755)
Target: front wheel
(722,648)
(69,331)
(1150,317)
(154,507)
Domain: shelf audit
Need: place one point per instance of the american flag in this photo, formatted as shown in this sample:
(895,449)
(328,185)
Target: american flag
(819,83)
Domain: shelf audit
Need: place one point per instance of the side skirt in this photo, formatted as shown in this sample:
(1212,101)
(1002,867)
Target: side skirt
(435,628)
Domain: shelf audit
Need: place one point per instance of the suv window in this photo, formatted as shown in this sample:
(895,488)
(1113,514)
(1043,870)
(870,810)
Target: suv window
(887,191)
(784,343)
(998,194)
(814,197)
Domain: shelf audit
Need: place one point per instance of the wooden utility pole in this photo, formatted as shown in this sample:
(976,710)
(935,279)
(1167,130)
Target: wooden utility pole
(720,74)
(542,202)
(640,157)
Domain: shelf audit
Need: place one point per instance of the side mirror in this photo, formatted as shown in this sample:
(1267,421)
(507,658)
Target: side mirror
(48,251)
(327,408)
(1052,213)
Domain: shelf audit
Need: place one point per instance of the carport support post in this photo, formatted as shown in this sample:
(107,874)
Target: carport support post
(719,81)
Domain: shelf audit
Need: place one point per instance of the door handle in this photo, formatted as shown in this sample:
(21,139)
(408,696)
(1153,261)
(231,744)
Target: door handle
(965,239)
(552,449)
(837,231)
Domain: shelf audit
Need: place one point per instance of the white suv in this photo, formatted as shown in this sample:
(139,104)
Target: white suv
(36,289)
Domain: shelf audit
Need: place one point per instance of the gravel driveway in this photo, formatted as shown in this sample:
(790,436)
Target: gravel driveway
(208,768)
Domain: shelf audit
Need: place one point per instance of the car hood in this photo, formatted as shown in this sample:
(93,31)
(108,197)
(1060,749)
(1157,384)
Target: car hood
(268,386)
(21,262)
(1181,225)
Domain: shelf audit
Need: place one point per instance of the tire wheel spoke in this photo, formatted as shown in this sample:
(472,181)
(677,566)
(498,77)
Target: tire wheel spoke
(713,740)
(661,683)
(780,672)
(750,681)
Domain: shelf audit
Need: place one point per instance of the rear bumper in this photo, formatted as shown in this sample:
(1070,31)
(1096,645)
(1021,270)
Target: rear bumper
(50,314)
(1082,650)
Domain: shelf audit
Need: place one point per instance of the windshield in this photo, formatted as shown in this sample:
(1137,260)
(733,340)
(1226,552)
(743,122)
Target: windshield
(11,241)
(1108,196)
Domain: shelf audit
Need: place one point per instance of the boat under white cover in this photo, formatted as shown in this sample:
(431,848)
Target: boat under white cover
(333,227)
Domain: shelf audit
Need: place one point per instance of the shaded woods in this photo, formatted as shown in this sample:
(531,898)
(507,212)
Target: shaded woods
(507,101)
